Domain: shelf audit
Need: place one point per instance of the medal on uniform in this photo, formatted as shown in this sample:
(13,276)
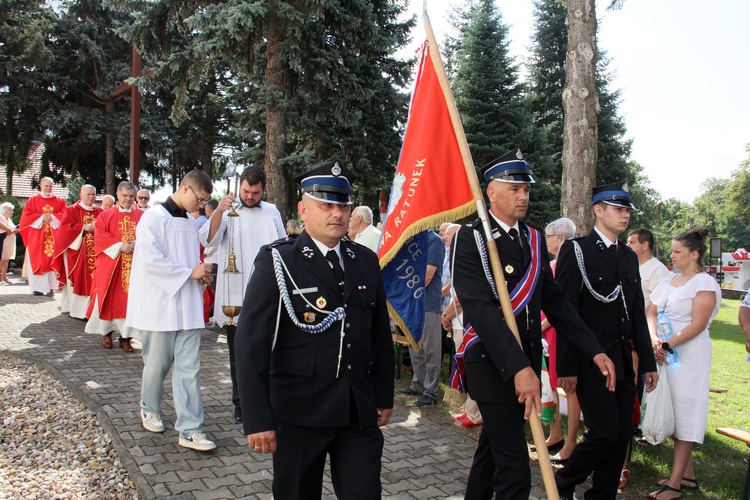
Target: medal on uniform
(509,269)
(309,317)
(321,302)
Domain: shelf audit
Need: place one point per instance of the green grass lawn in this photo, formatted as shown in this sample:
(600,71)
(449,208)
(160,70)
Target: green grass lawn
(719,461)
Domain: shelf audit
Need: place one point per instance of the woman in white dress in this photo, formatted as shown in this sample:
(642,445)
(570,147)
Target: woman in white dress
(691,299)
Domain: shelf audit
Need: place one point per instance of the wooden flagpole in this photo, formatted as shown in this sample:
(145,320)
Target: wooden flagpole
(497,270)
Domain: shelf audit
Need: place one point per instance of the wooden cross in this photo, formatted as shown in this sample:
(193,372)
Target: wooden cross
(135,115)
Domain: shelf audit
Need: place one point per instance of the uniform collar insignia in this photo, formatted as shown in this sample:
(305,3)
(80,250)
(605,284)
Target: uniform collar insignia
(600,245)
(496,233)
(350,253)
(308,252)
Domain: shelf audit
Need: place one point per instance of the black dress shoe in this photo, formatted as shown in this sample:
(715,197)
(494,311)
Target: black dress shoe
(552,448)
(406,390)
(424,400)
(238,415)
(37,294)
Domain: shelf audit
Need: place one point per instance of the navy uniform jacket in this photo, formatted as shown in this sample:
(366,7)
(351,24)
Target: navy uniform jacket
(296,382)
(498,356)
(613,326)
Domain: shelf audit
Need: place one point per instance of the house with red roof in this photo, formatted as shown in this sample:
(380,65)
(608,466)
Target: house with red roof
(25,185)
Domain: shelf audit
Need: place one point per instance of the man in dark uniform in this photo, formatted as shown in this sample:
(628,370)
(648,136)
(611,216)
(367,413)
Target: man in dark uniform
(314,351)
(600,278)
(502,376)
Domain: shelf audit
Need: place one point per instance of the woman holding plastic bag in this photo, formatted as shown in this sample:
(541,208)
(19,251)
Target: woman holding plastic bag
(685,303)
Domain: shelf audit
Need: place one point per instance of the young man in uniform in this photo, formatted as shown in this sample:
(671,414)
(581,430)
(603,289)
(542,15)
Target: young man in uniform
(600,278)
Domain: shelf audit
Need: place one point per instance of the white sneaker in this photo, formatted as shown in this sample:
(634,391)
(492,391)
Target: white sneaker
(197,441)
(152,421)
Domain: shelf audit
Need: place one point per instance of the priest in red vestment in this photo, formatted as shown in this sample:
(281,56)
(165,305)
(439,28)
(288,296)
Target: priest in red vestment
(74,244)
(114,242)
(40,219)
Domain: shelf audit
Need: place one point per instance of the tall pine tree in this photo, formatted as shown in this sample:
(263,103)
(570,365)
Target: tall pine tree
(547,80)
(315,72)
(88,130)
(26,28)
(492,101)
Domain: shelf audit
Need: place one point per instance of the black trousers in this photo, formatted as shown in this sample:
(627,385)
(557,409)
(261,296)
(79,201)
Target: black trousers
(231,333)
(301,454)
(501,462)
(608,417)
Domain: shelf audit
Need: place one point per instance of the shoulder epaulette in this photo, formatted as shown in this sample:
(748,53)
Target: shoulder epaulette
(475,224)
(280,242)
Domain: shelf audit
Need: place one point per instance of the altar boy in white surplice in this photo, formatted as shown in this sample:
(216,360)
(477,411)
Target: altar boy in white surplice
(168,309)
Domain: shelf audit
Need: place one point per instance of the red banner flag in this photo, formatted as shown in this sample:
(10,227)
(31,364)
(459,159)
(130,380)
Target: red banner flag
(431,185)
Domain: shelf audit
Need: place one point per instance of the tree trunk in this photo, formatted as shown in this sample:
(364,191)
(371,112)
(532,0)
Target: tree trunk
(207,157)
(8,181)
(210,125)
(580,104)
(275,119)
(73,168)
(109,152)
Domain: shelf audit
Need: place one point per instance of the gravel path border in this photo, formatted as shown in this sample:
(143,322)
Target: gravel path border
(54,441)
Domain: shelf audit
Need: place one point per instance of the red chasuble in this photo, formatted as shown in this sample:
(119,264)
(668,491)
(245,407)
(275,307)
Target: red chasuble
(112,276)
(40,242)
(81,262)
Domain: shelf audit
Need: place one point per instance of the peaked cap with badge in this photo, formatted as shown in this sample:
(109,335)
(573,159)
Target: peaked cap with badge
(330,182)
(617,194)
(510,167)
(604,284)
(313,355)
(492,363)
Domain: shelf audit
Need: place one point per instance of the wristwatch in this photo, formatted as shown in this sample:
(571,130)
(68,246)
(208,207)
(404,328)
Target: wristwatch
(666,347)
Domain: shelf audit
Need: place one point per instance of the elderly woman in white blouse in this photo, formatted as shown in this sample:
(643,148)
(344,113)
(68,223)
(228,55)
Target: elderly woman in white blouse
(8,242)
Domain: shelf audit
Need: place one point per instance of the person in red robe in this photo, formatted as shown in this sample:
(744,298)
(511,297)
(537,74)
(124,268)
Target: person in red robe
(74,244)
(114,242)
(40,219)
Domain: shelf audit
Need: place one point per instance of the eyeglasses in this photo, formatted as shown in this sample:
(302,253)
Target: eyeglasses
(143,197)
(550,235)
(200,200)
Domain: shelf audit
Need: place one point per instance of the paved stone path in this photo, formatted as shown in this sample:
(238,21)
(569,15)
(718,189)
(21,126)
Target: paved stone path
(422,459)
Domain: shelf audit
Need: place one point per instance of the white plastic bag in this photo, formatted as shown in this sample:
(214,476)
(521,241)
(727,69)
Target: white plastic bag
(657,414)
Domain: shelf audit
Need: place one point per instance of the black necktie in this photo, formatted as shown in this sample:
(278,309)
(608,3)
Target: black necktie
(513,233)
(333,258)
